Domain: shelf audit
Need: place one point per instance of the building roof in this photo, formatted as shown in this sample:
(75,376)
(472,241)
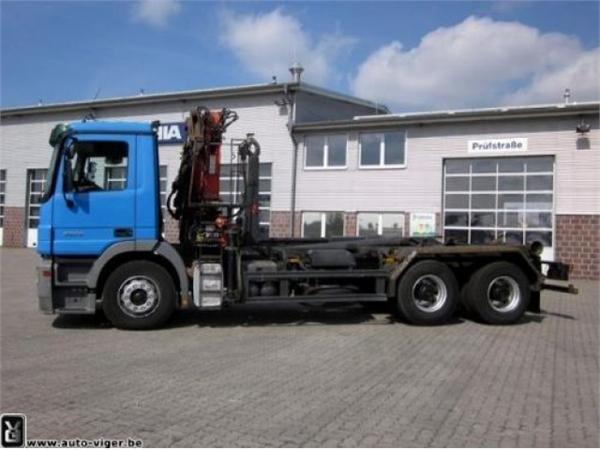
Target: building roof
(189,95)
(464,115)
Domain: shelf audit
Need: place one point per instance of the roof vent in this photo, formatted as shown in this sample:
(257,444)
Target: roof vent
(296,70)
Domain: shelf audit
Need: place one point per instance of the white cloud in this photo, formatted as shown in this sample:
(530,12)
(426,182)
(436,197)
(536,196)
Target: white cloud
(155,12)
(267,44)
(581,75)
(479,62)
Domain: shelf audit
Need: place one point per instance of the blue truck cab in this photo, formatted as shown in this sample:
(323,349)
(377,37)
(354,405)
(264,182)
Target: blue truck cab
(101,206)
(113,195)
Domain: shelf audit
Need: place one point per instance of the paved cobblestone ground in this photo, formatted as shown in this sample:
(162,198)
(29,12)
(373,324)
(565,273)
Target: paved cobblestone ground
(294,376)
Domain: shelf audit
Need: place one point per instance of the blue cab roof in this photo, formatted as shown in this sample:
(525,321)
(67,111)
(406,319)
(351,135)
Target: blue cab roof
(96,126)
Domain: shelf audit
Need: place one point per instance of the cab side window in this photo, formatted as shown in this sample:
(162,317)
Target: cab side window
(99,166)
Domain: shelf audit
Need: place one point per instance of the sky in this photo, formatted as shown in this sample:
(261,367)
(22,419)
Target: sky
(410,56)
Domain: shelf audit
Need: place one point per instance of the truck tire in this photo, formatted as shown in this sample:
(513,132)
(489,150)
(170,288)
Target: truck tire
(427,293)
(138,295)
(499,293)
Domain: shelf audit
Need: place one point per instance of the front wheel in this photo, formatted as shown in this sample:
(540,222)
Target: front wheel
(428,293)
(499,293)
(139,295)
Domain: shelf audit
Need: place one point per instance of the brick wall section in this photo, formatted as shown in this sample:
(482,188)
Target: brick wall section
(280,224)
(171,229)
(350,224)
(298,224)
(577,243)
(406,224)
(14,227)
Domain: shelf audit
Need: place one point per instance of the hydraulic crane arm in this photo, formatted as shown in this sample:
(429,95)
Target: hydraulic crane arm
(198,179)
(204,220)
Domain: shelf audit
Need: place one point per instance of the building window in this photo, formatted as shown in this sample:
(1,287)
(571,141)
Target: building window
(2,194)
(99,166)
(325,152)
(36,186)
(382,149)
(322,224)
(380,224)
(231,186)
(116,178)
(499,199)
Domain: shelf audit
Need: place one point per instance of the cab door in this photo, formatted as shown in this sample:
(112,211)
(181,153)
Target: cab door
(98,210)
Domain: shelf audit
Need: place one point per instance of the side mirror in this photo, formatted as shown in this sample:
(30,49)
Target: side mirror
(58,133)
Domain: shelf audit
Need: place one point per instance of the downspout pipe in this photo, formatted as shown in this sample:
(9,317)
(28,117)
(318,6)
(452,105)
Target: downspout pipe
(291,122)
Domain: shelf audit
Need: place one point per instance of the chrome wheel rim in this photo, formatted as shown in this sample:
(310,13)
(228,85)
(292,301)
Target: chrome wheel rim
(504,294)
(429,293)
(138,296)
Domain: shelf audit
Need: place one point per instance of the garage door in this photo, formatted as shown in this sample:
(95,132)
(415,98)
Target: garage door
(500,199)
(36,182)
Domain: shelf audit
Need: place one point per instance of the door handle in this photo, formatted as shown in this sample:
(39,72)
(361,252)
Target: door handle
(123,232)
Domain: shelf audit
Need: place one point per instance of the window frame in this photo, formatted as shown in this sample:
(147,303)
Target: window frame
(380,221)
(499,229)
(127,167)
(323,219)
(30,173)
(109,178)
(325,163)
(382,164)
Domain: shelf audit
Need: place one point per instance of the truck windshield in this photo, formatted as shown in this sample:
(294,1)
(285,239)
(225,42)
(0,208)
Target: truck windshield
(50,180)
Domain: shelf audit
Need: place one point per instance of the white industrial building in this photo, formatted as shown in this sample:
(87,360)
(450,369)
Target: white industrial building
(267,110)
(515,175)
(338,165)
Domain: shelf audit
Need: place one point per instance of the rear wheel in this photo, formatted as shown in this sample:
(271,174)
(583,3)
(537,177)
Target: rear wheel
(428,293)
(139,295)
(499,293)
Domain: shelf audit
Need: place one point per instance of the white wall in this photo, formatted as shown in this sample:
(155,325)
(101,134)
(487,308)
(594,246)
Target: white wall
(24,144)
(24,140)
(418,187)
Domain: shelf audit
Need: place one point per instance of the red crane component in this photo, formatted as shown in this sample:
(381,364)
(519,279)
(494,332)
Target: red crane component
(197,183)
(204,221)
(205,134)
